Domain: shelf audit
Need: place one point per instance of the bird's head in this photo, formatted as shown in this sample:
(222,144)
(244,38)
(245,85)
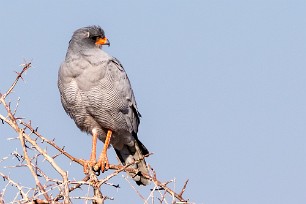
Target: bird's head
(88,37)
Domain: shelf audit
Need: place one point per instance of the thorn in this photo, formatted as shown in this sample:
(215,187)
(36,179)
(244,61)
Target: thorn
(157,189)
(19,74)
(184,188)
(147,155)
(19,118)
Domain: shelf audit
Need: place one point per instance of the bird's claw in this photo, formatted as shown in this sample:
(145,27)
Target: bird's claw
(87,165)
(102,164)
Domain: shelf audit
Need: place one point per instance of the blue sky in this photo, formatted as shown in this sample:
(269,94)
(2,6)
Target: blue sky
(221,86)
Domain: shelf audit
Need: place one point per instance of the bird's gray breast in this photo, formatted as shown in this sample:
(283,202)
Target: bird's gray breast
(109,98)
(97,88)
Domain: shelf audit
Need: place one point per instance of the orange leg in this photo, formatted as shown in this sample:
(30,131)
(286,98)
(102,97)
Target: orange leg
(92,160)
(103,160)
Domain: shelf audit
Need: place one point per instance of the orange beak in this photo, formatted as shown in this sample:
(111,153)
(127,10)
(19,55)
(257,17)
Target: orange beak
(102,41)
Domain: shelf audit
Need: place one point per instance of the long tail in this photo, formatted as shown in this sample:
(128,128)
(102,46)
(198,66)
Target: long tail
(130,154)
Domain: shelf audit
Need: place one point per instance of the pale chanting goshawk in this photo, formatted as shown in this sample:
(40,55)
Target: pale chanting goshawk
(96,93)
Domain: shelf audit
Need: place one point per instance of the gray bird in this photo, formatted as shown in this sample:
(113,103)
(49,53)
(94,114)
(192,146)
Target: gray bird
(96,93)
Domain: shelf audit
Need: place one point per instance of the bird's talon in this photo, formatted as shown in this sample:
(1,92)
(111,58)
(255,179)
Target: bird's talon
(97,173)
(88,165)
(103,164)
(96,167)
(92,163)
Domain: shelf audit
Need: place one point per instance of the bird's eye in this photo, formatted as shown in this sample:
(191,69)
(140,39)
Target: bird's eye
(95,38)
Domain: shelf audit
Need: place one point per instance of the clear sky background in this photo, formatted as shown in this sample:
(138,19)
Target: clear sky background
(221,86)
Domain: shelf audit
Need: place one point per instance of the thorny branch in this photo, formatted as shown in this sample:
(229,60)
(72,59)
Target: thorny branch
(20,189)
(57,190)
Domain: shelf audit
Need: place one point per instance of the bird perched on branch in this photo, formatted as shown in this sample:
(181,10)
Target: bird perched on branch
(96,93)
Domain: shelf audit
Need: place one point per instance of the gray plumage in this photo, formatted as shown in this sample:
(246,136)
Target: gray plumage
(96,93)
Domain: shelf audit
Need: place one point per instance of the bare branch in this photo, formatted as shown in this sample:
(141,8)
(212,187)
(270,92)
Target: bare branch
(26,66)
(52,143)
(22,193)
(184,188)
(30,166)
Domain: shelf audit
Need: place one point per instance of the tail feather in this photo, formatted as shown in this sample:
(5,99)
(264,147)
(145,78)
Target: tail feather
(130,154)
